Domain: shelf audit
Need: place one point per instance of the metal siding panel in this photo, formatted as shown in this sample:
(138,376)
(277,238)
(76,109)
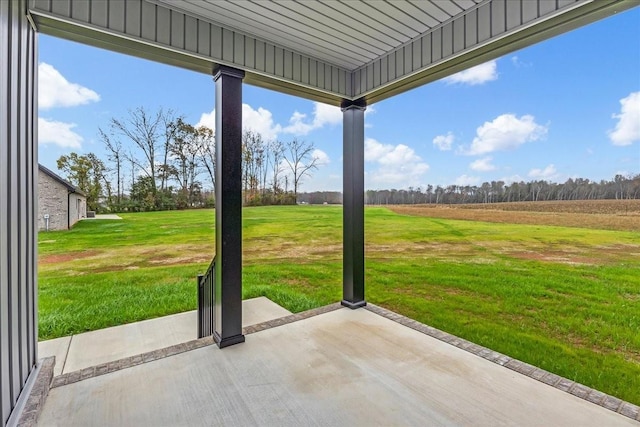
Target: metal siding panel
(12,161)
(132,22)
(5,58)
(399,62)
(148,21)
(498,18)
(227,45)
(313,72)
(447,40)
(484,22)
(216,42)
(529,11)
(204,39)
(279,61)
(514,13)
(32,200)
(238,49)
(270,57)
(436,45)
(391,66)
(376,73)
(342,83)
(363,80)
(177,30)
(328,71)
(320,75)
(116,16)
(296,66)
(546,6)
(99,13)
(288,65)
(459,30)
(304,70)
(370,77)
(408,59)
(40,4)
(471,30)
(426,50)
(191,34)
(563,3)
(335,79)
(23,216)
(250,52)
(384,69)
(260,56)
(163,26)
(61,7)
(81,11)
(416,54)
(17,246)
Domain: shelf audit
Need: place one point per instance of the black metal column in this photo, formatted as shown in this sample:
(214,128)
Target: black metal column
(228,286)
(353,204)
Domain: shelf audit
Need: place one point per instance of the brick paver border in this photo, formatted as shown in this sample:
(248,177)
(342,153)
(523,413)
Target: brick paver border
(594,396)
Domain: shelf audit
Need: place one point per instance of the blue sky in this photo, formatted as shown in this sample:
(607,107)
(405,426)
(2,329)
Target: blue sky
(566,107)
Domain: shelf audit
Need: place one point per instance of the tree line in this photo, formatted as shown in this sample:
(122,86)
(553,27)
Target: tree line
(158,161)
(620,187)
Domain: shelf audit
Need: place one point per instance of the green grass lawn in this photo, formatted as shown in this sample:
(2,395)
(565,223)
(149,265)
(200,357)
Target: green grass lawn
(564,299)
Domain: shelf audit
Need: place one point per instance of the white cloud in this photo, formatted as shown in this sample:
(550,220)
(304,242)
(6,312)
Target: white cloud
(323,115)
(549,172)
(506,132)
(260,121)
(483,165)
(465,180)
(321,157)
(59,133)
(56,91)
(208,120)
(444,142)
(627,129)
(399,165)
(475,75)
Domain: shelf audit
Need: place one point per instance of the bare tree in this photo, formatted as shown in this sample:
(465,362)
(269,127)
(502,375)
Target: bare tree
(116,155)
(143,129)
(207,152)
(300,160)
(276,150)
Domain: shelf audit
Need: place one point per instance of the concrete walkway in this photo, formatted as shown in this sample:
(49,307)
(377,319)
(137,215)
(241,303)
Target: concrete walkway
(104,216)
(105,345)
(341,367)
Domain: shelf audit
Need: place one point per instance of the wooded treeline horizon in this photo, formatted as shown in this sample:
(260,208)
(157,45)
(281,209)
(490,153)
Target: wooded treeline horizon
(157,161)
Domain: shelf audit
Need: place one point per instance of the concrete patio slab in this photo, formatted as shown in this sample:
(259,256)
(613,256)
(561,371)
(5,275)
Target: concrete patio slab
(105,345)
(343,367)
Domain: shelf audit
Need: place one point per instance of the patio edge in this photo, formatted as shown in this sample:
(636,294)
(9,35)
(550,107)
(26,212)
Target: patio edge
(131,361)
(589,394)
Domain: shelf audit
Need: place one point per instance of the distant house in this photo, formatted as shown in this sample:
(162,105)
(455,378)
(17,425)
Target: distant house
(60,203)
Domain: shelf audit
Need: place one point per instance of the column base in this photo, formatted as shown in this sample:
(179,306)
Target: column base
(226,342)
(353,305)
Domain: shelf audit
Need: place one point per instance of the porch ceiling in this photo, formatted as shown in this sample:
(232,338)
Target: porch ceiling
(326,50)
(347,34)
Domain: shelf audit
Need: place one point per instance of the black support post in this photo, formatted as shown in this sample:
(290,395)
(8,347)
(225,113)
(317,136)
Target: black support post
(228,287)
(353,204)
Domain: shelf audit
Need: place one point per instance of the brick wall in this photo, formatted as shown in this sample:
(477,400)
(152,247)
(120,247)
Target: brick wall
(53,199)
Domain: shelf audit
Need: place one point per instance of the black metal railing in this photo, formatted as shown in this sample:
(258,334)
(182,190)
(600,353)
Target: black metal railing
(207,300)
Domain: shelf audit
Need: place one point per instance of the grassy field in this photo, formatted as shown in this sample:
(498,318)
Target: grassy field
(565,298)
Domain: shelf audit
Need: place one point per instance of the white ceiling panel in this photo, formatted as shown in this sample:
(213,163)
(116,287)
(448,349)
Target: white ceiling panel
(345,33)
